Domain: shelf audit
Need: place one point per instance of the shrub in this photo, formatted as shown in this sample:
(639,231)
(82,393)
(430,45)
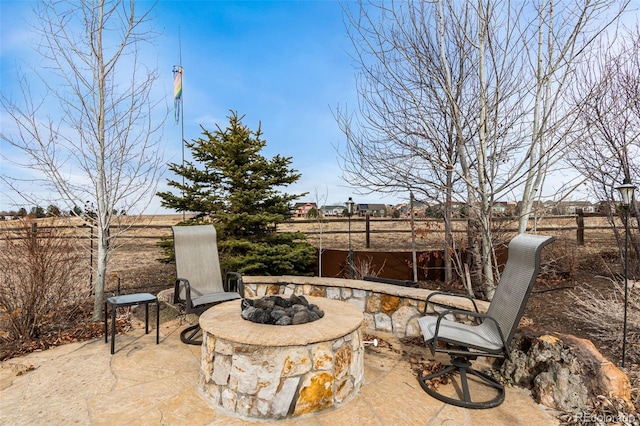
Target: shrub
(604,313)
(362,267)
(40,278)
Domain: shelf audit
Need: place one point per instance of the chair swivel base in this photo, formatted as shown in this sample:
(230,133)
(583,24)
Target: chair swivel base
(462,366)
(191,335)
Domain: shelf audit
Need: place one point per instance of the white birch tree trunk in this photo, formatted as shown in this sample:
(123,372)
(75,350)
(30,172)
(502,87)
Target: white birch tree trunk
(496,73)
(108,131)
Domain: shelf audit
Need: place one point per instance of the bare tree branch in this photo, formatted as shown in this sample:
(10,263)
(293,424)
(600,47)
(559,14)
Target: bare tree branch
(465,101)
(95,136)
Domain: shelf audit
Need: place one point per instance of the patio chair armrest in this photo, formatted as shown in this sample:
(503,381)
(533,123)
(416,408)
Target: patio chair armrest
(187,293)
(239,284)
(444,293)
(485,317)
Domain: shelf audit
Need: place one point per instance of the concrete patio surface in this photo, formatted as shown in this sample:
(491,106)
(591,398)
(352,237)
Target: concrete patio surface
(148,384)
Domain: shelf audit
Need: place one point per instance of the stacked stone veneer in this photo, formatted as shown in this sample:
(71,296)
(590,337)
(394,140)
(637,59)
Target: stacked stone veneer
(395,309)
(385,307)
(273,372)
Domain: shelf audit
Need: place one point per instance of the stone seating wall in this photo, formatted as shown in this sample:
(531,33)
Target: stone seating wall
(396,309)
(386,307)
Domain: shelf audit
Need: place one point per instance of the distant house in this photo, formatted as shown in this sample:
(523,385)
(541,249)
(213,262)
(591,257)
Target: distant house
(375,210)
(419,209)
(336,210)
(437,210)
(572,207)
(605,207)
(538,208)
(586,206)
(504,208)
(301,209)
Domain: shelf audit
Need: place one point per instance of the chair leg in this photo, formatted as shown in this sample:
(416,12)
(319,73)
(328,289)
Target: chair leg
(105,322)
(463,367)
(146,318)
(188,335)
(114,309)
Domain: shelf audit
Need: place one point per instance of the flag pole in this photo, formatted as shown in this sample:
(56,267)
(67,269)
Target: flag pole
(181,115)
(178,104)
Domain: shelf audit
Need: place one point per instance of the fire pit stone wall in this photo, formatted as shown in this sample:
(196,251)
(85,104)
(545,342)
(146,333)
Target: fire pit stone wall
(385,307)
(273,372)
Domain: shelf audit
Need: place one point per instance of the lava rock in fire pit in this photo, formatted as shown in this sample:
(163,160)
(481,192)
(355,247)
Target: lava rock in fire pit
(277,310)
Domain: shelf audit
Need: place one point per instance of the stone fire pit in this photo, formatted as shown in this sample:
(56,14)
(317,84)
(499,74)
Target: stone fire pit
(278,310)
(271,372)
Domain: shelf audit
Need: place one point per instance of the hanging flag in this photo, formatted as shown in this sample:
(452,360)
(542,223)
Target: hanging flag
(177,91)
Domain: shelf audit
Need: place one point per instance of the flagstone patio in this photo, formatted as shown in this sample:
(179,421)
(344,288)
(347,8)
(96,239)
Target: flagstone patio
(144,383)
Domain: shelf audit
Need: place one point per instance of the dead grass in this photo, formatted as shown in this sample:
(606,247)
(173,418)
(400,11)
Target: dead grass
(603,309)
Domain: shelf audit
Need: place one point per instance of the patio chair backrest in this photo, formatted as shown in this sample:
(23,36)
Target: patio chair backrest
(196,254)
(516,282)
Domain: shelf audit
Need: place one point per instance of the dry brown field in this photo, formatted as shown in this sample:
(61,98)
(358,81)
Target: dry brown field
(385,234)
(134,262)
(395,234)
(136,241)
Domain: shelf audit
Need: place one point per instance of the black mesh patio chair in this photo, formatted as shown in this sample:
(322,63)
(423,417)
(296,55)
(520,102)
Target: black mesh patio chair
(199,283)
(490,334)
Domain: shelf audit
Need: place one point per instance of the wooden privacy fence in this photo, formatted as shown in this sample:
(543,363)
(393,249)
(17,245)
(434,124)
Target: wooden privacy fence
(395,265)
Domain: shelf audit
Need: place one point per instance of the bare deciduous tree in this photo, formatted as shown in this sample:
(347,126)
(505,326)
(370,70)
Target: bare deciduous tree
(94,136)
(320,200)
(463,101)
(609,140)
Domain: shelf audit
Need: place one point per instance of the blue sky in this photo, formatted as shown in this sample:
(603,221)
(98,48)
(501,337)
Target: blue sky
(285,64)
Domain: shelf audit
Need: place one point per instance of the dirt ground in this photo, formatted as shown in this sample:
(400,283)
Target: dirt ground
(134,265)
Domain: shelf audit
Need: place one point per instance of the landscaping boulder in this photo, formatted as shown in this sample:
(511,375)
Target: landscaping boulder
(563,371)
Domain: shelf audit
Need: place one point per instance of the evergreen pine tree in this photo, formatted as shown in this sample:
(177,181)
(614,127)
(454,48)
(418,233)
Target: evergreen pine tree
(232,185)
